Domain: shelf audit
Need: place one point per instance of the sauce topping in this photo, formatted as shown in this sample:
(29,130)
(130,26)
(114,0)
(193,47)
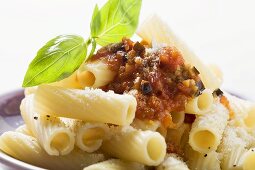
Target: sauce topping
(159,79)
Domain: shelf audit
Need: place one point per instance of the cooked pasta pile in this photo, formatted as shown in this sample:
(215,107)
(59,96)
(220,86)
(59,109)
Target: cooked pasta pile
(136,105)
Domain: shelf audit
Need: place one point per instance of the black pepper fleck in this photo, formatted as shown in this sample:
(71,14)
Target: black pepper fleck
(47,115)
(205,155)
(35,118)
(146,87)
(234,165)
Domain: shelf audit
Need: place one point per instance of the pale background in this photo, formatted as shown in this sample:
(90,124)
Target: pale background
(219,31)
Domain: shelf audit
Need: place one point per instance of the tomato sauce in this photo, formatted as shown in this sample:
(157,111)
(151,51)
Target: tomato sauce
(158,78)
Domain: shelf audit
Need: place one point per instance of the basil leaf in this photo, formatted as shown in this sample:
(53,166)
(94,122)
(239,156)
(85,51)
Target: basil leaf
(115,20)
(94,25)
(58,59)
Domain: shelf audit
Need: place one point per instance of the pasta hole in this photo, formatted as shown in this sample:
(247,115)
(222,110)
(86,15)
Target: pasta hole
(204,101)
(155,148)
(86,78)
(92,135)
(204,139)
(250,119)
(60,142)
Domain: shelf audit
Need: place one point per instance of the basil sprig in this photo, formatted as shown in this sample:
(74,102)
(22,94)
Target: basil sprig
(61,56)
(117,19)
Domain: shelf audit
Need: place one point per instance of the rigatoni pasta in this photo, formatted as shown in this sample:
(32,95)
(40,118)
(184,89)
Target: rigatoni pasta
(115,164)
(177,118)
(244,112)
(89,136)
(69,82)
(248,159)
(27,148)
(30,90)
(172,162)
(145,124)
(24,130)
(201,104)
(92,105)
(232,148)
(178,136)
(53,135)
(145,147)
(94,74)
(200,161)
(207,130)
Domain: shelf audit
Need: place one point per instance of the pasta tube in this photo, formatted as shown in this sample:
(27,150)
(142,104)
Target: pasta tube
(207,130)
(91,105)
(27,149)
(115,164)
(178,119)
(178,136)
(145,147)
(23,129)
(201,104)
(247,137)
(155,29)
(152,125)
(95,74)
(69,82)
(199,161)
(248,159)
(89,136)
(52,134)
(172,162)
(30,90)
(232,148)
(244,112)
(217,71)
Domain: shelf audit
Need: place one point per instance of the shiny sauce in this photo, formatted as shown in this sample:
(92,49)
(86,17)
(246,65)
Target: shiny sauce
(158,78)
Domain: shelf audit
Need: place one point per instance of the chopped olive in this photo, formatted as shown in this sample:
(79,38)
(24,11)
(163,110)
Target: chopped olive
(146,87)
(195,70)
(198,93)
(115,47)
(200,87)
(218,92)
(125,58)
(189,118)
(139,48)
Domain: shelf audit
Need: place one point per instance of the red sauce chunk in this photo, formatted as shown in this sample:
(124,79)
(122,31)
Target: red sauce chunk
(158,78)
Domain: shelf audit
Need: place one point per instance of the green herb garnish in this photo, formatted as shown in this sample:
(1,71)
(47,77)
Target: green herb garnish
(61,56)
